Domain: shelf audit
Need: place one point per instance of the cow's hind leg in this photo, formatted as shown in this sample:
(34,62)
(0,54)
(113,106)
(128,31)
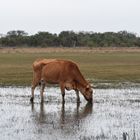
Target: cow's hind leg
(77,94)
(34,85)
(42,89)
(32,91)
(62,87)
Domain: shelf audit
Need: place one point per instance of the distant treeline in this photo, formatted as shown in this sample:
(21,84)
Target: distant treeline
(70,39)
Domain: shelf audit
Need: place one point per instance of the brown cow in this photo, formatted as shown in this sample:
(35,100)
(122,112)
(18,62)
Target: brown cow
(63,72)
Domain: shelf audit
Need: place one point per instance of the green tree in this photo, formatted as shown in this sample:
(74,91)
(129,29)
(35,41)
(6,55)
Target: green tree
(68,39)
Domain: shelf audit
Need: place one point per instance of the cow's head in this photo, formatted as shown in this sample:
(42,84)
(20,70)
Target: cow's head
(88,93)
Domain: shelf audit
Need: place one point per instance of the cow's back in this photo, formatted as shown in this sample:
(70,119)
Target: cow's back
(39,63)
(59,70)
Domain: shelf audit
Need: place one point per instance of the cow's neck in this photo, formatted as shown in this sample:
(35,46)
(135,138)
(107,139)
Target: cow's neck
(83,83)
(81,86)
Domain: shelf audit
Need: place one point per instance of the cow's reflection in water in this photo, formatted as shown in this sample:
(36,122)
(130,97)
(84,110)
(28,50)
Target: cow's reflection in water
(40,116)
(63,118)
(74,116)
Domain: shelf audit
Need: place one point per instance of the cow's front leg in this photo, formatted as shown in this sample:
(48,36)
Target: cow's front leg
(77,94)
(42,90)
(62,87)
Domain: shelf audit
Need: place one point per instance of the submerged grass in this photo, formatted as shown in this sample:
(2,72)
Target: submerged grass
(16,68)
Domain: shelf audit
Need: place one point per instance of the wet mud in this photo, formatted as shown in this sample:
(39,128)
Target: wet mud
(114,114)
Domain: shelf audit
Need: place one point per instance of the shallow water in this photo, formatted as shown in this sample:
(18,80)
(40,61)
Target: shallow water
(114,114)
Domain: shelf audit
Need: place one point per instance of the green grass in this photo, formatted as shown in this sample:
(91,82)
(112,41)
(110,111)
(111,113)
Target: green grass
(16,68)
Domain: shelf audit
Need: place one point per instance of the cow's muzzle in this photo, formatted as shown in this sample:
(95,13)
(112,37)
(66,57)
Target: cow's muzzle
(88,99)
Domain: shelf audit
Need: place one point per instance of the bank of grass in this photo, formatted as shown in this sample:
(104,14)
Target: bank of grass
(112,67)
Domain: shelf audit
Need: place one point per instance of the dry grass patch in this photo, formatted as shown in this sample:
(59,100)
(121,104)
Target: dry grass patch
(16,67)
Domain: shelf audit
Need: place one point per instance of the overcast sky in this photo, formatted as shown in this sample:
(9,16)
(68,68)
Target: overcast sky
(78,15)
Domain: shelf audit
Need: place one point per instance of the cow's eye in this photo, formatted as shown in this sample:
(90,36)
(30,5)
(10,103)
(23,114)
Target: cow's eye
(87,89)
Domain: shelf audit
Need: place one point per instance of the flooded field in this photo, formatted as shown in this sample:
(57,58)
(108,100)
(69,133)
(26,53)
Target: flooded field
(114,115)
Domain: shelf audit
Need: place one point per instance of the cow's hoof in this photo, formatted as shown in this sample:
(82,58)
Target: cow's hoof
(31,99)
(78,101)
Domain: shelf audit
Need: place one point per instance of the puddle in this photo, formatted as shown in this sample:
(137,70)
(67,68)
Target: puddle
(114,114)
